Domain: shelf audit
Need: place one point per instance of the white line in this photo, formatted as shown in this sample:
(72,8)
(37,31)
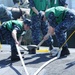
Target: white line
(22,60)
(51,60)
(44,65)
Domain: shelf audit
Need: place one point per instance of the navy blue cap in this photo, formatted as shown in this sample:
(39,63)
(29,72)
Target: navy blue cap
(27,21)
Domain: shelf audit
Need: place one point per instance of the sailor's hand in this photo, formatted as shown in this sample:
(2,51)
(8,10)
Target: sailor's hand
(17,42)
(46,36)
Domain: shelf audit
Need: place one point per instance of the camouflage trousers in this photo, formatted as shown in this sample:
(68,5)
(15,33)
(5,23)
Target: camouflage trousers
(6,35)
(39,28)
(64,26)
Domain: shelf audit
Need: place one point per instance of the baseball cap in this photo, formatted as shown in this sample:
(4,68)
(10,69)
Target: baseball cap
(27,21)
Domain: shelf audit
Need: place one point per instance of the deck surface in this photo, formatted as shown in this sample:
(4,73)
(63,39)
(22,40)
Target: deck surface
(62,66)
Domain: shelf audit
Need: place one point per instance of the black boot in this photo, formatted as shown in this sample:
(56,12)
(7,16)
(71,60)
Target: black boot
(14,56)
(64,52)
(50,47)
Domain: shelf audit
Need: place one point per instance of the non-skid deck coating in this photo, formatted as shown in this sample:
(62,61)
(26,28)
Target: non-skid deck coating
(41,49)
(62,66)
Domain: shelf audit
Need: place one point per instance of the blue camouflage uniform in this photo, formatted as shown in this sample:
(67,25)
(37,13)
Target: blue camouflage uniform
(67,24)
(6,34)
(62,19)
(18,1)
(62,2)
(5,14)
(38,26)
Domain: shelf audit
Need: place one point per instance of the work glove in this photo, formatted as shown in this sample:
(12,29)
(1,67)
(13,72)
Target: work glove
(41,15)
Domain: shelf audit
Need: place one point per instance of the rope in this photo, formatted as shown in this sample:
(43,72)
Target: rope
(53,59)
(68,39)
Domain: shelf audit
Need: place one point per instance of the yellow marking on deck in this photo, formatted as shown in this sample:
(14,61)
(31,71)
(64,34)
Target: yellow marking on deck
(42,50)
